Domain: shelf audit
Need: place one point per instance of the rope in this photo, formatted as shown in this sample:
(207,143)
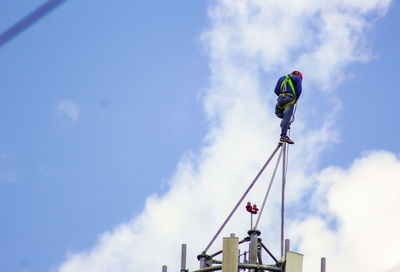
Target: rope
(269,189)
(294,112)
(293,117)
(241,199)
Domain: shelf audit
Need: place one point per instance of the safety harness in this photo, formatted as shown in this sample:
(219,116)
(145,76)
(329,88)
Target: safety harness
(286,92)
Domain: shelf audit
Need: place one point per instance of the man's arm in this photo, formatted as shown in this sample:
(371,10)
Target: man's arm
(278,86)
(298,87)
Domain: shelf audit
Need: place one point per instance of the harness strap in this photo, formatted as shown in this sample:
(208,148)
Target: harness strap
(283,85)
(286,92)
(288,104)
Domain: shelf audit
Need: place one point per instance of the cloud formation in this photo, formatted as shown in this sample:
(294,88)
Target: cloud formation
(69,109)
(249,40)
(363,200)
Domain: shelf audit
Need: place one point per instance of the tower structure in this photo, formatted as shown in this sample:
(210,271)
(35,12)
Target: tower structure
(251,259)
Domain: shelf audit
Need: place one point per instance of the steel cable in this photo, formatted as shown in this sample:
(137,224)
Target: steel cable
(241,199)
(268,190)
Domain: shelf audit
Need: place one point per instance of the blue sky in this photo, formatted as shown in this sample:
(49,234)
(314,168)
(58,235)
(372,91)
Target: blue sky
(100,102)
(131,130)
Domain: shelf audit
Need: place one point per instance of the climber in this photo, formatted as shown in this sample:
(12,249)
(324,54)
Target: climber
(288,89)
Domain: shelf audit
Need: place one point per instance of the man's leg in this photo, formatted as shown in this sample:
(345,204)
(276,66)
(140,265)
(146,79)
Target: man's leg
(278,112)
(287,115)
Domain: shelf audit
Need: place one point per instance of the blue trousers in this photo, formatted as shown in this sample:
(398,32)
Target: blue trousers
(286,113)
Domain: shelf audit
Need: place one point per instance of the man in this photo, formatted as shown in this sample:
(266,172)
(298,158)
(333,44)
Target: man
(288,89)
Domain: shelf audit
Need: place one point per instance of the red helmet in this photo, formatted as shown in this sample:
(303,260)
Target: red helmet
(298,73)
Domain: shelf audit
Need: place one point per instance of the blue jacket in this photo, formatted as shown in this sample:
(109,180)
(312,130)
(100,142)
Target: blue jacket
(296,83)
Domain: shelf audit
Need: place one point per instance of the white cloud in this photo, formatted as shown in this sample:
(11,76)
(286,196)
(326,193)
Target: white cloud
(247,38)
(364,200)
(69,109)
(394,269)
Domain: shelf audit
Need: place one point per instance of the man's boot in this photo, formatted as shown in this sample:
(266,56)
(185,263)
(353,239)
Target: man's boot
(286,139)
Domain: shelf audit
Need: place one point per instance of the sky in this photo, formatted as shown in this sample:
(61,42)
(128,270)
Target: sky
(131,127)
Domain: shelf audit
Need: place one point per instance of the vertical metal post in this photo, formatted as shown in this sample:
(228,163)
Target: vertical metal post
(287,246)
(164,268)
(259,252)
(253,246)
(283,199)
(323,264)
(183,258)
(230,254)
(203,260)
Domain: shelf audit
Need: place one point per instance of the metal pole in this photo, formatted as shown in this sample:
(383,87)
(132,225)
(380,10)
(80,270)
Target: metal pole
(241,199)
(323,264)
(164,268)
(287,246)
(183,258)
(283,198)
(203,258)
(268,190)
(269,252)
(28,20)
(253,246)
(259,252)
